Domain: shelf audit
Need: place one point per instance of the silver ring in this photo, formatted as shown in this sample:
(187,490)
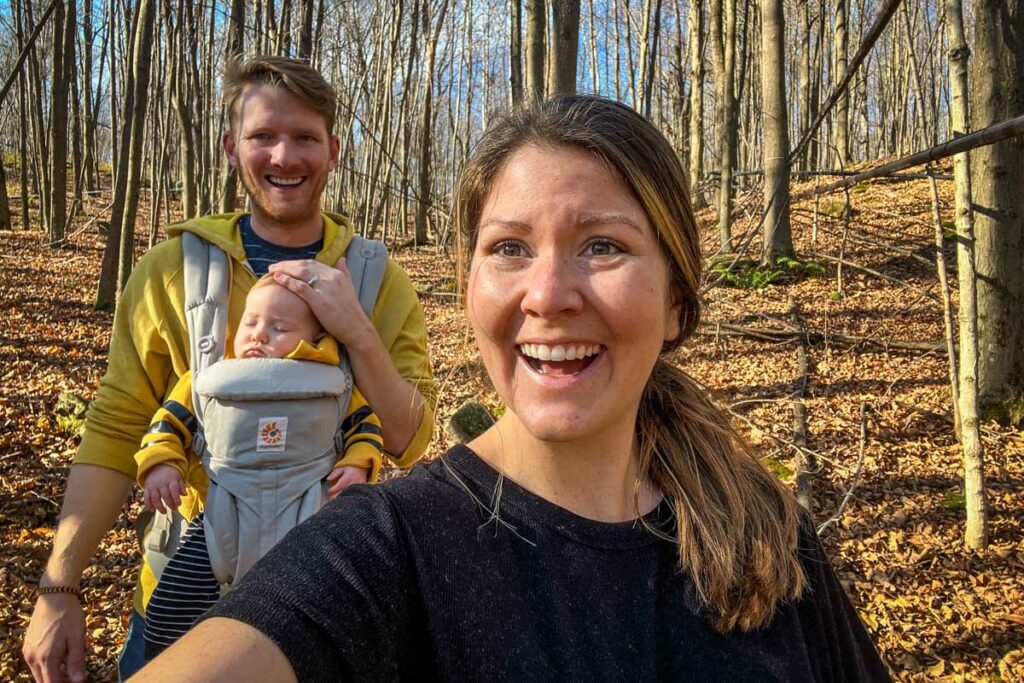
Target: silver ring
(312,279)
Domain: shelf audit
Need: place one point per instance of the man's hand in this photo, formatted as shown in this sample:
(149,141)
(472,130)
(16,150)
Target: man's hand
(343,477)
(164,486)
(55,641)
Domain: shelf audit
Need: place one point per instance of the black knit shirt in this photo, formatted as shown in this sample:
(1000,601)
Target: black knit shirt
(416,580)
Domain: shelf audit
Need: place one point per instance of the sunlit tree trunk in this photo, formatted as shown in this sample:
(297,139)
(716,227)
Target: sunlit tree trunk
(695,31)
(778,239)
(976,530)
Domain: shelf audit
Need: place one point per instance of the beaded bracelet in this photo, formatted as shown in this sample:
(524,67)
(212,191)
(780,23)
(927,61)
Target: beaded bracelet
(70,590)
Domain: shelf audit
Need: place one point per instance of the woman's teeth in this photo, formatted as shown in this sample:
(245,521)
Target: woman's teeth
(559,352)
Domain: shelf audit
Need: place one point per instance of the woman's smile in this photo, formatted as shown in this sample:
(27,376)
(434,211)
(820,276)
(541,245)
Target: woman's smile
(559,360)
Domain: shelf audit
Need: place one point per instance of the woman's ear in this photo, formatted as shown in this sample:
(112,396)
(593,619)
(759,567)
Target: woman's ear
(675,308)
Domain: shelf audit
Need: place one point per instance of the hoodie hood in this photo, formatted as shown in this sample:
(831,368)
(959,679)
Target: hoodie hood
(324,351)
(222,230)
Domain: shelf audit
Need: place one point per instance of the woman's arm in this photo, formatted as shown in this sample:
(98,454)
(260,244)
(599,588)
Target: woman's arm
(220,649)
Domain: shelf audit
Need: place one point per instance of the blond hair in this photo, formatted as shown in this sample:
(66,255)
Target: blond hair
(294,75)
(736,523)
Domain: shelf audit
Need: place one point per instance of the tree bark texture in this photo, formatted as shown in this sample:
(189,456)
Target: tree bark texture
(536,48)
(778,238)
(565,40)
(997,84)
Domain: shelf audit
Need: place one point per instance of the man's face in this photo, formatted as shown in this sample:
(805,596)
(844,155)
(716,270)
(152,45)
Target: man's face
(283,154)
(274,322)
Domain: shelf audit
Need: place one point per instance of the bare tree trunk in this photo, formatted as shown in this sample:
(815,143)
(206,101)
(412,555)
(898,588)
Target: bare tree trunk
(805,76)
(976,530)
(284,30)
(235,48)
(77,176)
(649,54)
(24,120)
(63,33)
(778,238)
(997,83)
(515,43)
(427,117)
(306,32)
(5,202)
(89,121)
(723,37)
(842,117)
(536,42)
(565,40)
(695,31)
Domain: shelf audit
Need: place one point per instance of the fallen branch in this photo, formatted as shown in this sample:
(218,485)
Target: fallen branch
(871,271)
(712,328)
(803,464)
(856,473)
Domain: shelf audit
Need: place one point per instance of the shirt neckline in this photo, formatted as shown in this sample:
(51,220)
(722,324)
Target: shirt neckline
(525,506)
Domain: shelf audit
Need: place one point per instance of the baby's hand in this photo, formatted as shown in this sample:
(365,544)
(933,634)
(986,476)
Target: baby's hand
(163,486)
(343,477)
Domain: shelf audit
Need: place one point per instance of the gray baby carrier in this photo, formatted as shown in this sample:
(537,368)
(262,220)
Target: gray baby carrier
(261,433)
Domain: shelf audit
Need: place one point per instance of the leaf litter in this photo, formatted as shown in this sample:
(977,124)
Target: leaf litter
(936,610)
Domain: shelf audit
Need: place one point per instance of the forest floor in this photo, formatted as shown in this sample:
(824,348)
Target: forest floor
(936,610)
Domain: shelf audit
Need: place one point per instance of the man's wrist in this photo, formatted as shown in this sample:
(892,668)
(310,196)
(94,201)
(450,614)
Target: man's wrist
(60,589)
(363,341)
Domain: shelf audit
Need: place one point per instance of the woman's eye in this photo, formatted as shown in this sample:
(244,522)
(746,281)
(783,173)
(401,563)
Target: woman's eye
(508,249)
(603,248)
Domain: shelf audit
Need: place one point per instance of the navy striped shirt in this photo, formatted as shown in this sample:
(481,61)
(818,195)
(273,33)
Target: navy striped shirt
(261,254)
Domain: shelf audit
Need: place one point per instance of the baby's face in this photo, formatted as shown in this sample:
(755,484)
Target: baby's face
(274,322)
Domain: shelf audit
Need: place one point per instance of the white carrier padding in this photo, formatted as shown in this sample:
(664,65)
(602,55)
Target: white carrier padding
(269,444)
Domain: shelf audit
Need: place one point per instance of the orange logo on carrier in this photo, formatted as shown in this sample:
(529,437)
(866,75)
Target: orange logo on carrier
(272,433)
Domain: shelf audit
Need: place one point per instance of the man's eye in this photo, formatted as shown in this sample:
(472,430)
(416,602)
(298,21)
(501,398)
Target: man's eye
(508,249)
(603,247)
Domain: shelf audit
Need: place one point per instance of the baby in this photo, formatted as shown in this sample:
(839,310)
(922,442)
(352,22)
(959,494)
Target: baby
(276,324)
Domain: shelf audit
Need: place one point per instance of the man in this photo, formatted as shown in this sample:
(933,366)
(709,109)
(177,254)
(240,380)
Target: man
(282,145)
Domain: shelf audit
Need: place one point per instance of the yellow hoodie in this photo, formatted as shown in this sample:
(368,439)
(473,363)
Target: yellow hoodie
(149,350)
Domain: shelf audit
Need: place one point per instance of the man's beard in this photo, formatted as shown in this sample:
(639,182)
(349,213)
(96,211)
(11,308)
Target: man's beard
(289,214)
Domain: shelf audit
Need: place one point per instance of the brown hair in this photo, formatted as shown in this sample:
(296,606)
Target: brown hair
(294,75)
(736,523)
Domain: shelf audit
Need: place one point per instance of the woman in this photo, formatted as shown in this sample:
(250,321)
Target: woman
(611,524)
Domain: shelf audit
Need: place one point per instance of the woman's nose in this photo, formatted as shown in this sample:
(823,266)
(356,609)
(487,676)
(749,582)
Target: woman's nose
(553,287)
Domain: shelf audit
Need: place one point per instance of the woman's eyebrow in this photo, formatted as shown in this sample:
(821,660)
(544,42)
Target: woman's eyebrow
(609,217)
(518,226)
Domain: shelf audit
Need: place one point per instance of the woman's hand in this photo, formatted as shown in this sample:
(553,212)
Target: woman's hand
(164,486)
(343,477)
(330,295)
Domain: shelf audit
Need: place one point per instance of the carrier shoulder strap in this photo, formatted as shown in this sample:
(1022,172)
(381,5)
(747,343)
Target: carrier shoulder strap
(367,260)
(207,279)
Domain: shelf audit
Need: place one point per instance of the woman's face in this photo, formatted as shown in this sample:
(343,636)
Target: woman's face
(568,295)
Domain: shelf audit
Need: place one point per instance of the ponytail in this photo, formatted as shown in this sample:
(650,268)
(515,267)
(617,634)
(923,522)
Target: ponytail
(736,523)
